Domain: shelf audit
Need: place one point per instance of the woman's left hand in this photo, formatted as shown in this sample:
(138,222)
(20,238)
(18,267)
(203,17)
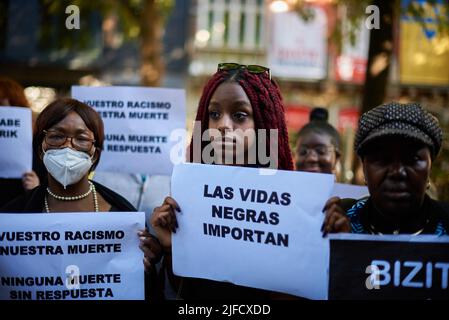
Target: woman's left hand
(336,220)
(152,250)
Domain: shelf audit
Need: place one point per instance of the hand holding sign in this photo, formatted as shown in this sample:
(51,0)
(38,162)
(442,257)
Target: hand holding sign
(15,141)
(336,219)
(164,221)
(30,180)
(142,126)
(151,250)
(240,225)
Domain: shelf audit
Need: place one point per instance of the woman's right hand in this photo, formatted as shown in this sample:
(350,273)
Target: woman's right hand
(30,180)
(163,220)
(336,220)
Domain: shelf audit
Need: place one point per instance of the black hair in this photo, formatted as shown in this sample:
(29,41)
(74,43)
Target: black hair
(266,102)
(318,124)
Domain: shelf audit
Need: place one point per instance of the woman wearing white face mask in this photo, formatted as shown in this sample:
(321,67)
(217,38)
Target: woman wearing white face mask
(68,138)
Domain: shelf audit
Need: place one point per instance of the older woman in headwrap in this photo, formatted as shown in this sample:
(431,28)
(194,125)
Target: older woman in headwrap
(397,144)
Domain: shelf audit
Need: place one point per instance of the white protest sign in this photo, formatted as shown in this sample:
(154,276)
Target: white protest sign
(16,138)
(254,230)
(138,123)
(65,256)
(343,190)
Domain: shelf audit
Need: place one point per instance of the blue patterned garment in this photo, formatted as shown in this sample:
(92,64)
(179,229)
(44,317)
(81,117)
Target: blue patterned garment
(356,225)
(440,230)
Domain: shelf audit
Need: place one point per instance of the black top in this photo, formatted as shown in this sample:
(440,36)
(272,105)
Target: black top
(33,200)
(12,188)
(202,289)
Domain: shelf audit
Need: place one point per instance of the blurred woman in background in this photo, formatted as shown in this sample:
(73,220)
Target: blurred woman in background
(318,145)
(12,94)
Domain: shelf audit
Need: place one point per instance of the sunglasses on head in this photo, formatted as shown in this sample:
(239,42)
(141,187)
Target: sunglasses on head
(252,68)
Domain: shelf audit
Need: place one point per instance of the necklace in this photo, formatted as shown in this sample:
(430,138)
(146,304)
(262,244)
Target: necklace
(91,189)
(72,198)
(395,232)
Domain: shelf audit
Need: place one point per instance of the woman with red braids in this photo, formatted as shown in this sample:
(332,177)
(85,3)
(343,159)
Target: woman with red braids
(237,99)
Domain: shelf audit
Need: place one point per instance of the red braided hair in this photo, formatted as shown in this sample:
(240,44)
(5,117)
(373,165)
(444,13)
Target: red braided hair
(266,101)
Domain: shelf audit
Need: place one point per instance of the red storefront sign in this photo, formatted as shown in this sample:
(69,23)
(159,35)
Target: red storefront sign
(350,69)
(297,116)
(348,118)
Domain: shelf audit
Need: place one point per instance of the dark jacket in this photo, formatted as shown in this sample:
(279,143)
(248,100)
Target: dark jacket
(10,189)
(13,188)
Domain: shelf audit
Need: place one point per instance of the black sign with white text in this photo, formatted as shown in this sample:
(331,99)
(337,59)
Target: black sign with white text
(364,269)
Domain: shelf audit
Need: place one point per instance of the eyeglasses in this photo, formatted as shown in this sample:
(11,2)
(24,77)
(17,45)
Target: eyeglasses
(57,139)
(252,68)
(320,151)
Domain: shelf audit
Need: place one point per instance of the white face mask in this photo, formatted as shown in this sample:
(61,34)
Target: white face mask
(66,165)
